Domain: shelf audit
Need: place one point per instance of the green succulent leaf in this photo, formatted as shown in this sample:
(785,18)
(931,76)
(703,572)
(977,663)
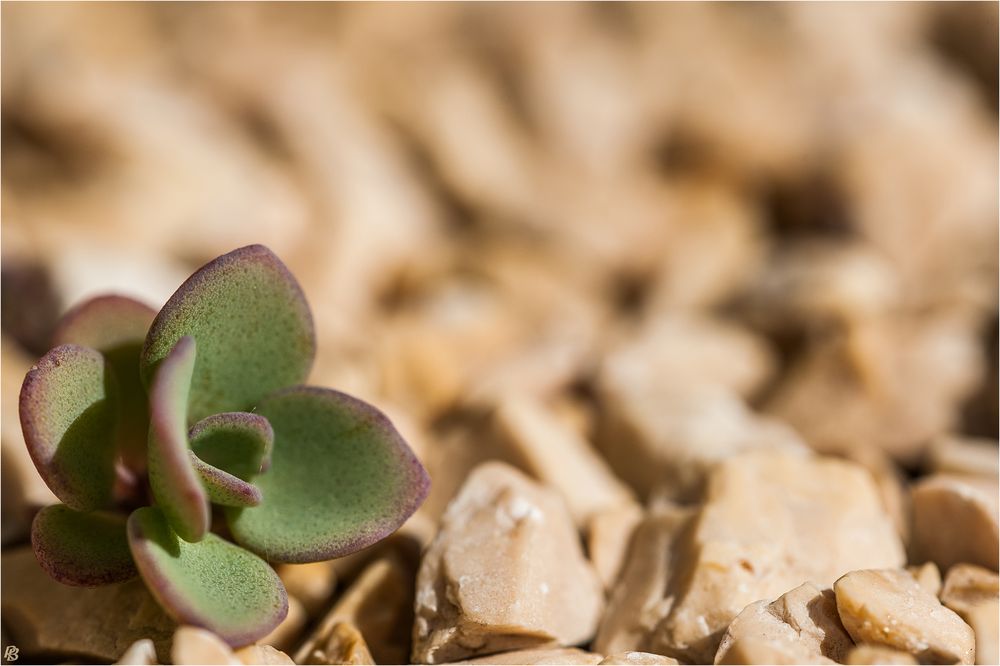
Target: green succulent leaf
(237,442)
(212,584)
(116,326)
(341,478)
(68,409)
(172,476)
(222,487)
(252,324)
(86,549)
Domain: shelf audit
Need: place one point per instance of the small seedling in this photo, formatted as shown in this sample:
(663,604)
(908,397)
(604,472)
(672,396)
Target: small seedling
(202,404)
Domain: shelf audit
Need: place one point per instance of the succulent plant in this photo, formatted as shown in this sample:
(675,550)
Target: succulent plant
(198,405)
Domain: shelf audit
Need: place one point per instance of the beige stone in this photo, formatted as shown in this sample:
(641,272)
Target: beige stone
(672,437)
(888,607)
(505,572)
(770,521)
(312,584)
(890,484)
(608,536)
(974,593)
(140,653)
(286,634)
(928,575)
(553,453)
(194,645)
(955,520)
(379,605)
(531,657)
(43,616)
(952,454)
(801,625)
(637,601)
(263,654)
(878,654)
(342,644)
(633,657)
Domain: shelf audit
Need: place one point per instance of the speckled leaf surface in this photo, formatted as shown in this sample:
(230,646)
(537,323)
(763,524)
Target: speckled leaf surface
(116,326)
(212,584)
(341,478)
(176,486)
(68,413)
(223,488)
(252,324)
(78,548)
(237,442)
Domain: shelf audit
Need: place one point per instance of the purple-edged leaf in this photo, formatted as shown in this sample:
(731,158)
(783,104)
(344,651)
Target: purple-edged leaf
(116,326)
(86,549)
(341,478)
(253,328)
(212,584)
(237,442)
(176,486)
(224,488)
(68,413)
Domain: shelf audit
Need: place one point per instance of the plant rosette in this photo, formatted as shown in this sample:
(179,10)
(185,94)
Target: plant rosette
(203,404)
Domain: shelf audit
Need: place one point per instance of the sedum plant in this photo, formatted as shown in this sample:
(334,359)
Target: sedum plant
(140,422)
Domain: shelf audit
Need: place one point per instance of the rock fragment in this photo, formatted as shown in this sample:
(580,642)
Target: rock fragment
(194,645)
(608,536)
(974,593)
(638,658)
(262,654)
(312,584)
(888,607)
(878,654)
(46,617)
(140,653)
(379,605)
(952,454)
(553,453)
(285,635)
(801,626)
(955,520)
(505,572)
(770,520)
(532,657)
(341,644)
(928,575)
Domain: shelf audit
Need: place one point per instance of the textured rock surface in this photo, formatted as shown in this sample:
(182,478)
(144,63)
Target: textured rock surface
(633,657)
(802,626)
(608,535)
(955,520)
(531,657)
(341,643)
(888,607)
(265,655)
(878,654)
(140,653)
(928,575)
(770,521)
(193,646)
(972,592)
(505,572)
(379,605)
(43,616)
(553,453)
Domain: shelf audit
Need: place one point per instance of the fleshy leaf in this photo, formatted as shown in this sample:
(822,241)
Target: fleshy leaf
(252,324)
(86,549)
(176,486)
(224,488)
(341,478)
(68,412)
(212,584)
(237,442)
(116,326)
